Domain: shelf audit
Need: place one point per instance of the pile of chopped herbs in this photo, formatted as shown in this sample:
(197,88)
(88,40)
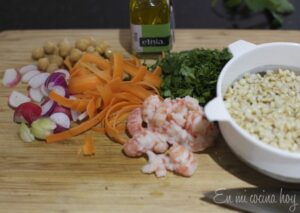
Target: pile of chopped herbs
(192,73)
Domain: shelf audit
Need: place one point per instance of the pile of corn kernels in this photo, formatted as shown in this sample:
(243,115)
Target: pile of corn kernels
(268,106)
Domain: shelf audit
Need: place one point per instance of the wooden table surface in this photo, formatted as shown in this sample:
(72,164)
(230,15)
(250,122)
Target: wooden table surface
(38,177)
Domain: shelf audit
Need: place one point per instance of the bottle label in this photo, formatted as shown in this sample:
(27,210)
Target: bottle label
(151,38)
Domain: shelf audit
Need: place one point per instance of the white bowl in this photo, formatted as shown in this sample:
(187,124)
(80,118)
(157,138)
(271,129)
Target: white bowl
(274,162)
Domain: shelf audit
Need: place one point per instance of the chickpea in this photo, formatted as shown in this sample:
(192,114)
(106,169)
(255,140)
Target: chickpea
(49,47)
(56,59)
(64,48)
(90,49)
(92,41)
(108,52)
(52,67)
(75,55)
(37,53)
(43,64)
(100,49)
(95,53)
(82,44)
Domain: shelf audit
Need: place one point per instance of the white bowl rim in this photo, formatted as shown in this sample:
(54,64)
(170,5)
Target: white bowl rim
(236,126)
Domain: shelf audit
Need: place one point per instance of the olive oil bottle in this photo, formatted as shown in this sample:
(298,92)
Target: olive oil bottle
(150,22)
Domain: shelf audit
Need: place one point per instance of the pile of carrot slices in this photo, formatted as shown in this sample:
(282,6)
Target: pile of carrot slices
(107,90)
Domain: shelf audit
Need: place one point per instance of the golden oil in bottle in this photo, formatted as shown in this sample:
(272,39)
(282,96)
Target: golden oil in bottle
(150,22)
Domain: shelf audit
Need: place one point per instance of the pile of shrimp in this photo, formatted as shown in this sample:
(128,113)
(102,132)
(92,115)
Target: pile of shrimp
(168,132)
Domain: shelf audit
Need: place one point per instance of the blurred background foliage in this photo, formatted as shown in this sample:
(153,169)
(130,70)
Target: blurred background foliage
(275,10)
(226,14)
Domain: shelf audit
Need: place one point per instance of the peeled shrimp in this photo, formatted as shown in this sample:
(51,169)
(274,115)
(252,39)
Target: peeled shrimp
(145,141)
(135,121)
(157,164)
(203,131)
(184,161)
(150,105)
(179,124)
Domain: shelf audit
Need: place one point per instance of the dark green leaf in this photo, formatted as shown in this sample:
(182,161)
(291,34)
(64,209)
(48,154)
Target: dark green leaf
(280,6)
(277,17)
(256,5)
(213,3)
(232,3)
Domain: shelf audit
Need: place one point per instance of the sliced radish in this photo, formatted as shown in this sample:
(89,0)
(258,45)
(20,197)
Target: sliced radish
(16,99)
(27,113)
(36,94)
(44,90)
(63,110)
(23,70)
(61,119)
(29,75)
(38,80)
(11,78)
(59,90)
(82,116)
(66,72)
(48,107)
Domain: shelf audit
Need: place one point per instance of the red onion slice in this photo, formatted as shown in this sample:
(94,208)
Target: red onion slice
(63,110)
(48,107)
(60,90)
(65,72)
(44,90)
(61,119)
(56,79)
(82,116)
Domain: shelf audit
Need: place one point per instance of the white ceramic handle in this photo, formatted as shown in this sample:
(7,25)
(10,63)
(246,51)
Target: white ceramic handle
(215,110)
(240,47)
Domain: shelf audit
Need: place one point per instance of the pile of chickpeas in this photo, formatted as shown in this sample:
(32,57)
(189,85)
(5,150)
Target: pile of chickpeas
(51,56)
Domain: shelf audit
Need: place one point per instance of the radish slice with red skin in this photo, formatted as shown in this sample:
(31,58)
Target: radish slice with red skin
(25,69)
(47,107)
(66,72)
(16,99)
(63,110)
(11,78)
(27,113)
(38,80)
(29,75)
(61,119)
(44,90)
(36,95)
